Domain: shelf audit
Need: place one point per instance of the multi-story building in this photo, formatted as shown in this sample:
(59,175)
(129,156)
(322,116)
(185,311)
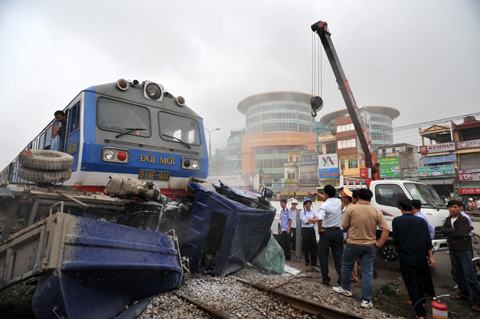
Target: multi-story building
(300,173)
(276,124)
(467,143)
(438,158)
(233,150)
(343,140)
(320,129)
(290,168)
(397,160)
(377,119)
(350,156)
(451,158)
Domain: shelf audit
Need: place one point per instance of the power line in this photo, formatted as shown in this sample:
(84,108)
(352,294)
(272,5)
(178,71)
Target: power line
(417,125)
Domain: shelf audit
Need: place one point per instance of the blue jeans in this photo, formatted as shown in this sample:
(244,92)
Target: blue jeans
(465,274)
(366,255)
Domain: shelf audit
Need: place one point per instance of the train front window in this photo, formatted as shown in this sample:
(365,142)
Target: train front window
(181,128)
(123,118)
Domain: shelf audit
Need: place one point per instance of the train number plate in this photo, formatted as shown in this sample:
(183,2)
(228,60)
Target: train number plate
(155,175)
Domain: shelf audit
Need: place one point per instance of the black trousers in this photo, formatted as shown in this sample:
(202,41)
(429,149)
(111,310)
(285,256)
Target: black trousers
(309,246)
(293,238)
(285,244)
(331,239)
(418,281)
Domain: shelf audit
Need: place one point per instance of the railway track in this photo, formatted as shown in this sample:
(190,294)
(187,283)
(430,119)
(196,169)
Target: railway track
(303,306)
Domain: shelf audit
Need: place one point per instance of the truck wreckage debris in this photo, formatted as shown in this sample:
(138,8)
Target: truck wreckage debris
(73,254)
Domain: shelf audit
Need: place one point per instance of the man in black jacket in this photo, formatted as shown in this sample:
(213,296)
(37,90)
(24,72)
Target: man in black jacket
(457,229)
(411,236)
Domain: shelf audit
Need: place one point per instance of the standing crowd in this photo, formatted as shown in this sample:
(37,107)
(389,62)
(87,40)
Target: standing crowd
(353,230)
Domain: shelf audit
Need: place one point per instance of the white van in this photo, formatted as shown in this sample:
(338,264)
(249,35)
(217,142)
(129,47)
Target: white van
(387,194)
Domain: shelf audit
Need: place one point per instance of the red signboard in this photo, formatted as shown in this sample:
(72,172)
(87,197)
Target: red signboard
(363,172)
(423,150)
(469,191)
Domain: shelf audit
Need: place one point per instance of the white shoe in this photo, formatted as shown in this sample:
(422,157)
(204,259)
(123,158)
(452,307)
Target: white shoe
(342,291)
(366,304)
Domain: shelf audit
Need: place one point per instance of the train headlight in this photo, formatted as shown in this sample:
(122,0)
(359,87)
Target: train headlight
(180,100)
(153,91)
(188,163)
(122,84)
(109,155)
(115,155)
(195,165)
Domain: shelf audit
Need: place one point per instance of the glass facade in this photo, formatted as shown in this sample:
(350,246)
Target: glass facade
(233,151)
(269,161)
(378,120)
(279,116)
(270,120)
(379,127)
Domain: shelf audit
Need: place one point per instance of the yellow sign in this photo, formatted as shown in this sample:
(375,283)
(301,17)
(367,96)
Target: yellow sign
(150,158)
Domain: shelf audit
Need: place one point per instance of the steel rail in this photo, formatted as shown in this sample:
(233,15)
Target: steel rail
(205,307)
(314,308)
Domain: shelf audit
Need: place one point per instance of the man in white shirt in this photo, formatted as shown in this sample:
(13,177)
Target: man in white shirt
(331,235)
(295,215)
(309,240)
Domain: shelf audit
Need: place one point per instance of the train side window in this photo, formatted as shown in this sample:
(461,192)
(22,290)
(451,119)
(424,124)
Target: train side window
(389,195)
(75,117)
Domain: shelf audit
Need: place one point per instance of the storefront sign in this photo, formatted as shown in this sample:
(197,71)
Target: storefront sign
(439,159)
(467,177)
(469,191)
(328,166)
(363,172)
(468,144)
(389,166)
(310,162)
(466,171)
(438,170)
(437,148)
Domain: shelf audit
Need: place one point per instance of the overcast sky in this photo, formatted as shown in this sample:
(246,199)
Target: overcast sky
(422,57)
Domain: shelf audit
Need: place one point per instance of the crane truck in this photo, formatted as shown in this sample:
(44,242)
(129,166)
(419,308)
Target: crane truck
(386,193)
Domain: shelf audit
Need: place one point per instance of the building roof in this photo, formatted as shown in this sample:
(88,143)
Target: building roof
(393,145)
(436,128)
(386,110)
(436,132)
(468,122)
(244,104)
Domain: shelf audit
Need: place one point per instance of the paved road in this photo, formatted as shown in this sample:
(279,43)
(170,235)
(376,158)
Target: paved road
(388,273)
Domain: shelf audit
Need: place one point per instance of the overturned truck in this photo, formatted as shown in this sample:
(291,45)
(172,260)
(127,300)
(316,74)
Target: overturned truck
(74,254)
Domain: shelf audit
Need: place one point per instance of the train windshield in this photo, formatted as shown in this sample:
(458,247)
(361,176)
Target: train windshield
(177,128)
(425,194)
(124,118)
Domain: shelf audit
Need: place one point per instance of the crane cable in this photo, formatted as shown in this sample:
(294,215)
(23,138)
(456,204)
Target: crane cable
(320,68)
(317,67)
(312,92)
